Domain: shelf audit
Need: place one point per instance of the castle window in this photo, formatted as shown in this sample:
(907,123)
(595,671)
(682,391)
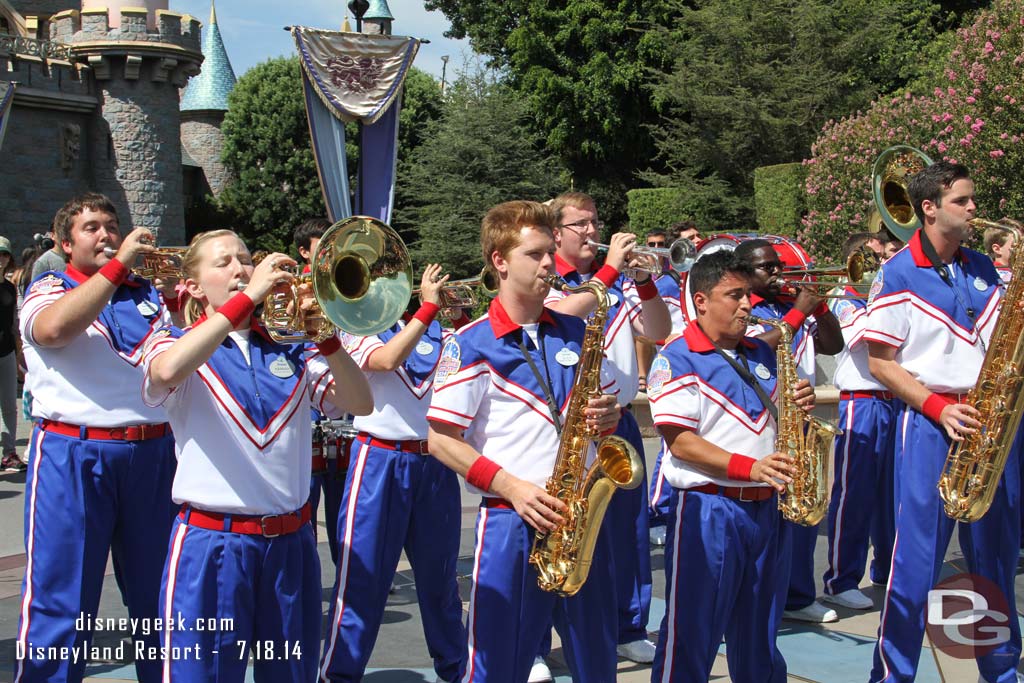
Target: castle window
(5,26)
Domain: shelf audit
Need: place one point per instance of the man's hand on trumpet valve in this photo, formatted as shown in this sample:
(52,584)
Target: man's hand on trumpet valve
(619,247)
(431,284)
(138,241)
(807,298)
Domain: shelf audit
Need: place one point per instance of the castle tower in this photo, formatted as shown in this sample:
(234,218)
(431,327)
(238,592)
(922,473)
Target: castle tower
(138,69)
(203,106)
(378,18)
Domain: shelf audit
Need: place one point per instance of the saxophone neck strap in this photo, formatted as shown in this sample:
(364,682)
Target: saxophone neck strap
(549,396)
(743,371)
(933,256)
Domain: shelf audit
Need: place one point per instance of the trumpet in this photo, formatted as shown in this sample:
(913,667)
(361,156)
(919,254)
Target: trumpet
(680,255)
(836,278)
(462,293)
(164,263)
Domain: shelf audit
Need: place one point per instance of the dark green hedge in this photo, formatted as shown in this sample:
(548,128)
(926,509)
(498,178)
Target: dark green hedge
(658,207)
(779,198)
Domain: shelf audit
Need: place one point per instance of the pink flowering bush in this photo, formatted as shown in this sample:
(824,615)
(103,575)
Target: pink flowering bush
(974,116)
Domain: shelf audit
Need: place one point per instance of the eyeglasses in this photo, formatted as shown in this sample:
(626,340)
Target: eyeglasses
(582,225)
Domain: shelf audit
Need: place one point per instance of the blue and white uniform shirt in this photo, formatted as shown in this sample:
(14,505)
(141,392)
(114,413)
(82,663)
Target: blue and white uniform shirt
(669,289)
(803,339)
(94,379)
(1005,275)
(694,388)
(624,322)
(401,397)
(852,373)
(484,386)
(940,331)
(243,417)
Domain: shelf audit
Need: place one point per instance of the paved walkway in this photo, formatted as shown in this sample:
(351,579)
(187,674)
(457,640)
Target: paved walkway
(834,653)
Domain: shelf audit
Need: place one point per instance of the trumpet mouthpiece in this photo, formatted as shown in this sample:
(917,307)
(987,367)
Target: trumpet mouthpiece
(109,252)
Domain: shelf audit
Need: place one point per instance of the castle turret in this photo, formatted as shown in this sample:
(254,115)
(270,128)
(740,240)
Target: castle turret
(138,69)
(378,18)
(204,104)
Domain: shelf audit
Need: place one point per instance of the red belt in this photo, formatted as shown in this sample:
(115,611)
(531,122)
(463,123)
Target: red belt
(319,463)
(874,393)
(746,494)
(954,398)
(414,446)
(500,503)
(130,433)
(255,525)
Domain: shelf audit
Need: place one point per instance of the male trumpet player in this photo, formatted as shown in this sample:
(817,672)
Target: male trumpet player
(636,309)
(931,312)
(500,393)
(815,329)
(397,496)
(727,558)
(100,461)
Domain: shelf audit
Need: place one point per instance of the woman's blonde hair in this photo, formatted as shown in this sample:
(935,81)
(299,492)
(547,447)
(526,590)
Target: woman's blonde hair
(190,266)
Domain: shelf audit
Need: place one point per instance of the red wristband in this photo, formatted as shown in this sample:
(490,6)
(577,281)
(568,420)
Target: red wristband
(795,318)
(481,473)
(647,290)
(329,345)
(933,405)
(822,309)
(739,467)
(607,274)
(115,272)
(173,305)
(426,313)
(237,309)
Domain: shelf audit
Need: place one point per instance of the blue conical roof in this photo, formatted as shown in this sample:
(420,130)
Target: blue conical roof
(210,89)
(378,10)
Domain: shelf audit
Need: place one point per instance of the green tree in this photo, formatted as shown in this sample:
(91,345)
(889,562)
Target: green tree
(583,67)
(267,147)
(481,152)
(752,82)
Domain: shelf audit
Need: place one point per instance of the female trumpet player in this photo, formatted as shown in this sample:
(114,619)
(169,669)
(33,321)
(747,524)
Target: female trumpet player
(397,496)
(242,548)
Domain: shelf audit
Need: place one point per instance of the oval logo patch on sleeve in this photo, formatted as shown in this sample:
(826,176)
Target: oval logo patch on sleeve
(451,361)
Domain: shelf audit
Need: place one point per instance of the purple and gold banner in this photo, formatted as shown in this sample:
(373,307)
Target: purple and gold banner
(6,98)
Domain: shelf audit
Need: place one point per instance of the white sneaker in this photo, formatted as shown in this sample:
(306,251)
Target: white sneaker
(657,535)
(852,598)
(1020,678)
(539,672)
(639,651)
(815,613)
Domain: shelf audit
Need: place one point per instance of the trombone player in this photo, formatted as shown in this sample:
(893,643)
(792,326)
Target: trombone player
(937,300)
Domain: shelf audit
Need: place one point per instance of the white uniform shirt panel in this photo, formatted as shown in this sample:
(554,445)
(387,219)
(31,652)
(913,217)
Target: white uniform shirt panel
(852,373)
(88,381)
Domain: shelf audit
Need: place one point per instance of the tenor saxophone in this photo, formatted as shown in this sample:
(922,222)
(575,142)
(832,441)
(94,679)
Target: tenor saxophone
(805,438)
(563,556)
(975,465)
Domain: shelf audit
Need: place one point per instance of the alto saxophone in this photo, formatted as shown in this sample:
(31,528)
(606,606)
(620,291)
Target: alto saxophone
(805,438)
(975,465)
(563,556)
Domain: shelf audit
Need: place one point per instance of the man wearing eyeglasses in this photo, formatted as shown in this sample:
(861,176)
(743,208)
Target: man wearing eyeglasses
(636,309)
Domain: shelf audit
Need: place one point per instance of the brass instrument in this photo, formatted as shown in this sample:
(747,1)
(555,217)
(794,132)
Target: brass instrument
(462,294)
(563,556)
(284,320)
(826,278)
(164,263)
(889,177)
(975,465)
(805,438)
(680,255)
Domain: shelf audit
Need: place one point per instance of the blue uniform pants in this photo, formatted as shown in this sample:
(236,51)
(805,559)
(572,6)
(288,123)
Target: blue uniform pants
(509,613)
(660,503)
(333,488)
(727,569)
(923,532)
(85,499)
(862,506)
(629,534)
(395,500)
(227,595)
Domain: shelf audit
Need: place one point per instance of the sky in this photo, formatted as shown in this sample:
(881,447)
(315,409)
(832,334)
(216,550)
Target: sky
(253,29)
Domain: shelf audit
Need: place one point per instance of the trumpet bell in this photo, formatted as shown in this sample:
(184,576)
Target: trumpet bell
(362,275)
(889,177)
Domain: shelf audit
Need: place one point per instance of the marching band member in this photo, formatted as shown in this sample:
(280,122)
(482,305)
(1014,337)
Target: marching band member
(727,558)
(936,299)
(397,496)
(998,245)
(242,548)
(860,508)
(814,329)
(636,309)
(100,462)
(490,422)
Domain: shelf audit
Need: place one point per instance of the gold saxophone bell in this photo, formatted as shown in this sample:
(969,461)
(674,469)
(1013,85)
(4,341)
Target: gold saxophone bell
(889,178)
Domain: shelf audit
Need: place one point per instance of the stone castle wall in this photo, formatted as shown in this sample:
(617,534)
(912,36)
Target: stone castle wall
(202,137)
